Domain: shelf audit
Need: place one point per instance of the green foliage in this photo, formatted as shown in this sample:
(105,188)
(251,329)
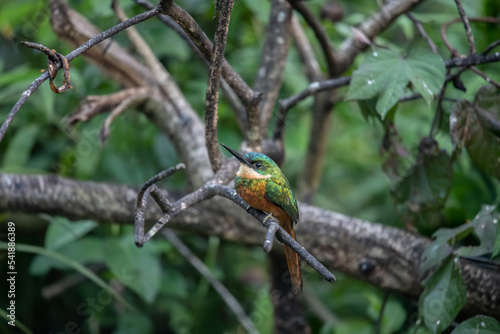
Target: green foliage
(478,325)
(135,268)
(386,74)
(444,293)
(422,193)
(443,297)
(472,125)
(430,189)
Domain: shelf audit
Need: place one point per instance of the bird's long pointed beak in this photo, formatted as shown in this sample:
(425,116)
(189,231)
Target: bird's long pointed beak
(237,155)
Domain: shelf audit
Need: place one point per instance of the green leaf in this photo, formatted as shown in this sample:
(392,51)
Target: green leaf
(485,228)
(473,126)
(443,297)
(20,146)
(496,247)
(74,264)
(486,231)
(83,251)
(62,231)
(434,253)
(479,324)
(137,268)
(386,74)
(131,323)
(422,193)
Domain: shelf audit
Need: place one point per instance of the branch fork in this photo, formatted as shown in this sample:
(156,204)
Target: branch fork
(208,190)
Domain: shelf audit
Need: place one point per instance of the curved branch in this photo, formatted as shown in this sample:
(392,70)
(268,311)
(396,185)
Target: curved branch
(72,55)
(341,242)
(207,191)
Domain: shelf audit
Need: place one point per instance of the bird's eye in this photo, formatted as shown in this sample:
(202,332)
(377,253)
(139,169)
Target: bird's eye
(258,165)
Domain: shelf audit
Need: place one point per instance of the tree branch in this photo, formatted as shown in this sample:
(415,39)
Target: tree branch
(229,94)
(468,30)
(371,28)
(207,191)
(336,240)
(212,93)
(273,59)
(72,55)
(249,98)
(320,34)
(166,106)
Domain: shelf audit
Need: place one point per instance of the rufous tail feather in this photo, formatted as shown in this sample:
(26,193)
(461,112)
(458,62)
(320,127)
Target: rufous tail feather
(292,260)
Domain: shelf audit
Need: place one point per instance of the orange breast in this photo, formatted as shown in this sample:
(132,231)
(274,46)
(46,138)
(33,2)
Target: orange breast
(255,197)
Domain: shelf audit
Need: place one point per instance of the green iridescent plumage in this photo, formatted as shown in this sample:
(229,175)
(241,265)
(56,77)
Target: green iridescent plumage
(277,188)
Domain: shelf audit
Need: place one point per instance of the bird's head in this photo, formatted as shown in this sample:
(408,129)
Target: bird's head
(254,165)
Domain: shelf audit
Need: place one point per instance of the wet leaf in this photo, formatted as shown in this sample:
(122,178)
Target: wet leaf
(485,228)
(443,297)
(479,324)
(137,268)
(386,74)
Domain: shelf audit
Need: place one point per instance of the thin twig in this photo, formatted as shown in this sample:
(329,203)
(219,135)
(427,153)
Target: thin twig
(485,77)
(226,295)
(271,231)
(72,55)
(438,115)
(142,200)
(444,27)
(422,32)
(55,60)
(320,33)
(491,47)
(468,30)
(381,313)
(312,88)
(129,102)
(229,94)
(212,93)
(305,51)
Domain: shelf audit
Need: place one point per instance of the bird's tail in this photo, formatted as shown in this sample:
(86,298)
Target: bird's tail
(292,260)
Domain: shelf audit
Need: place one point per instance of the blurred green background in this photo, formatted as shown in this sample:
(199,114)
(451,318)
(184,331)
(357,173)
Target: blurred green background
(173,298)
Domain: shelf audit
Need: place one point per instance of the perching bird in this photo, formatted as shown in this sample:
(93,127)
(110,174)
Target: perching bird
(261,183)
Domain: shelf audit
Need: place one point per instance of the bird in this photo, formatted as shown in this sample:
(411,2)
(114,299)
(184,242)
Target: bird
(262,185)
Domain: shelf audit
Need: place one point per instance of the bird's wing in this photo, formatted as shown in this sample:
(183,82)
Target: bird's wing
(278,191)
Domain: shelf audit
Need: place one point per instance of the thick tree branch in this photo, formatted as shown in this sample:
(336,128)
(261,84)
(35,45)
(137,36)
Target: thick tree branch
(341,242)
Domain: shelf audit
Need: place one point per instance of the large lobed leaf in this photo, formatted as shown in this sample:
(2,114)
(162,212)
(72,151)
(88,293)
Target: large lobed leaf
(386,74)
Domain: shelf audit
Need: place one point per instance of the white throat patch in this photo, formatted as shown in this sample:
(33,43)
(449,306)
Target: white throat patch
(248,173)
